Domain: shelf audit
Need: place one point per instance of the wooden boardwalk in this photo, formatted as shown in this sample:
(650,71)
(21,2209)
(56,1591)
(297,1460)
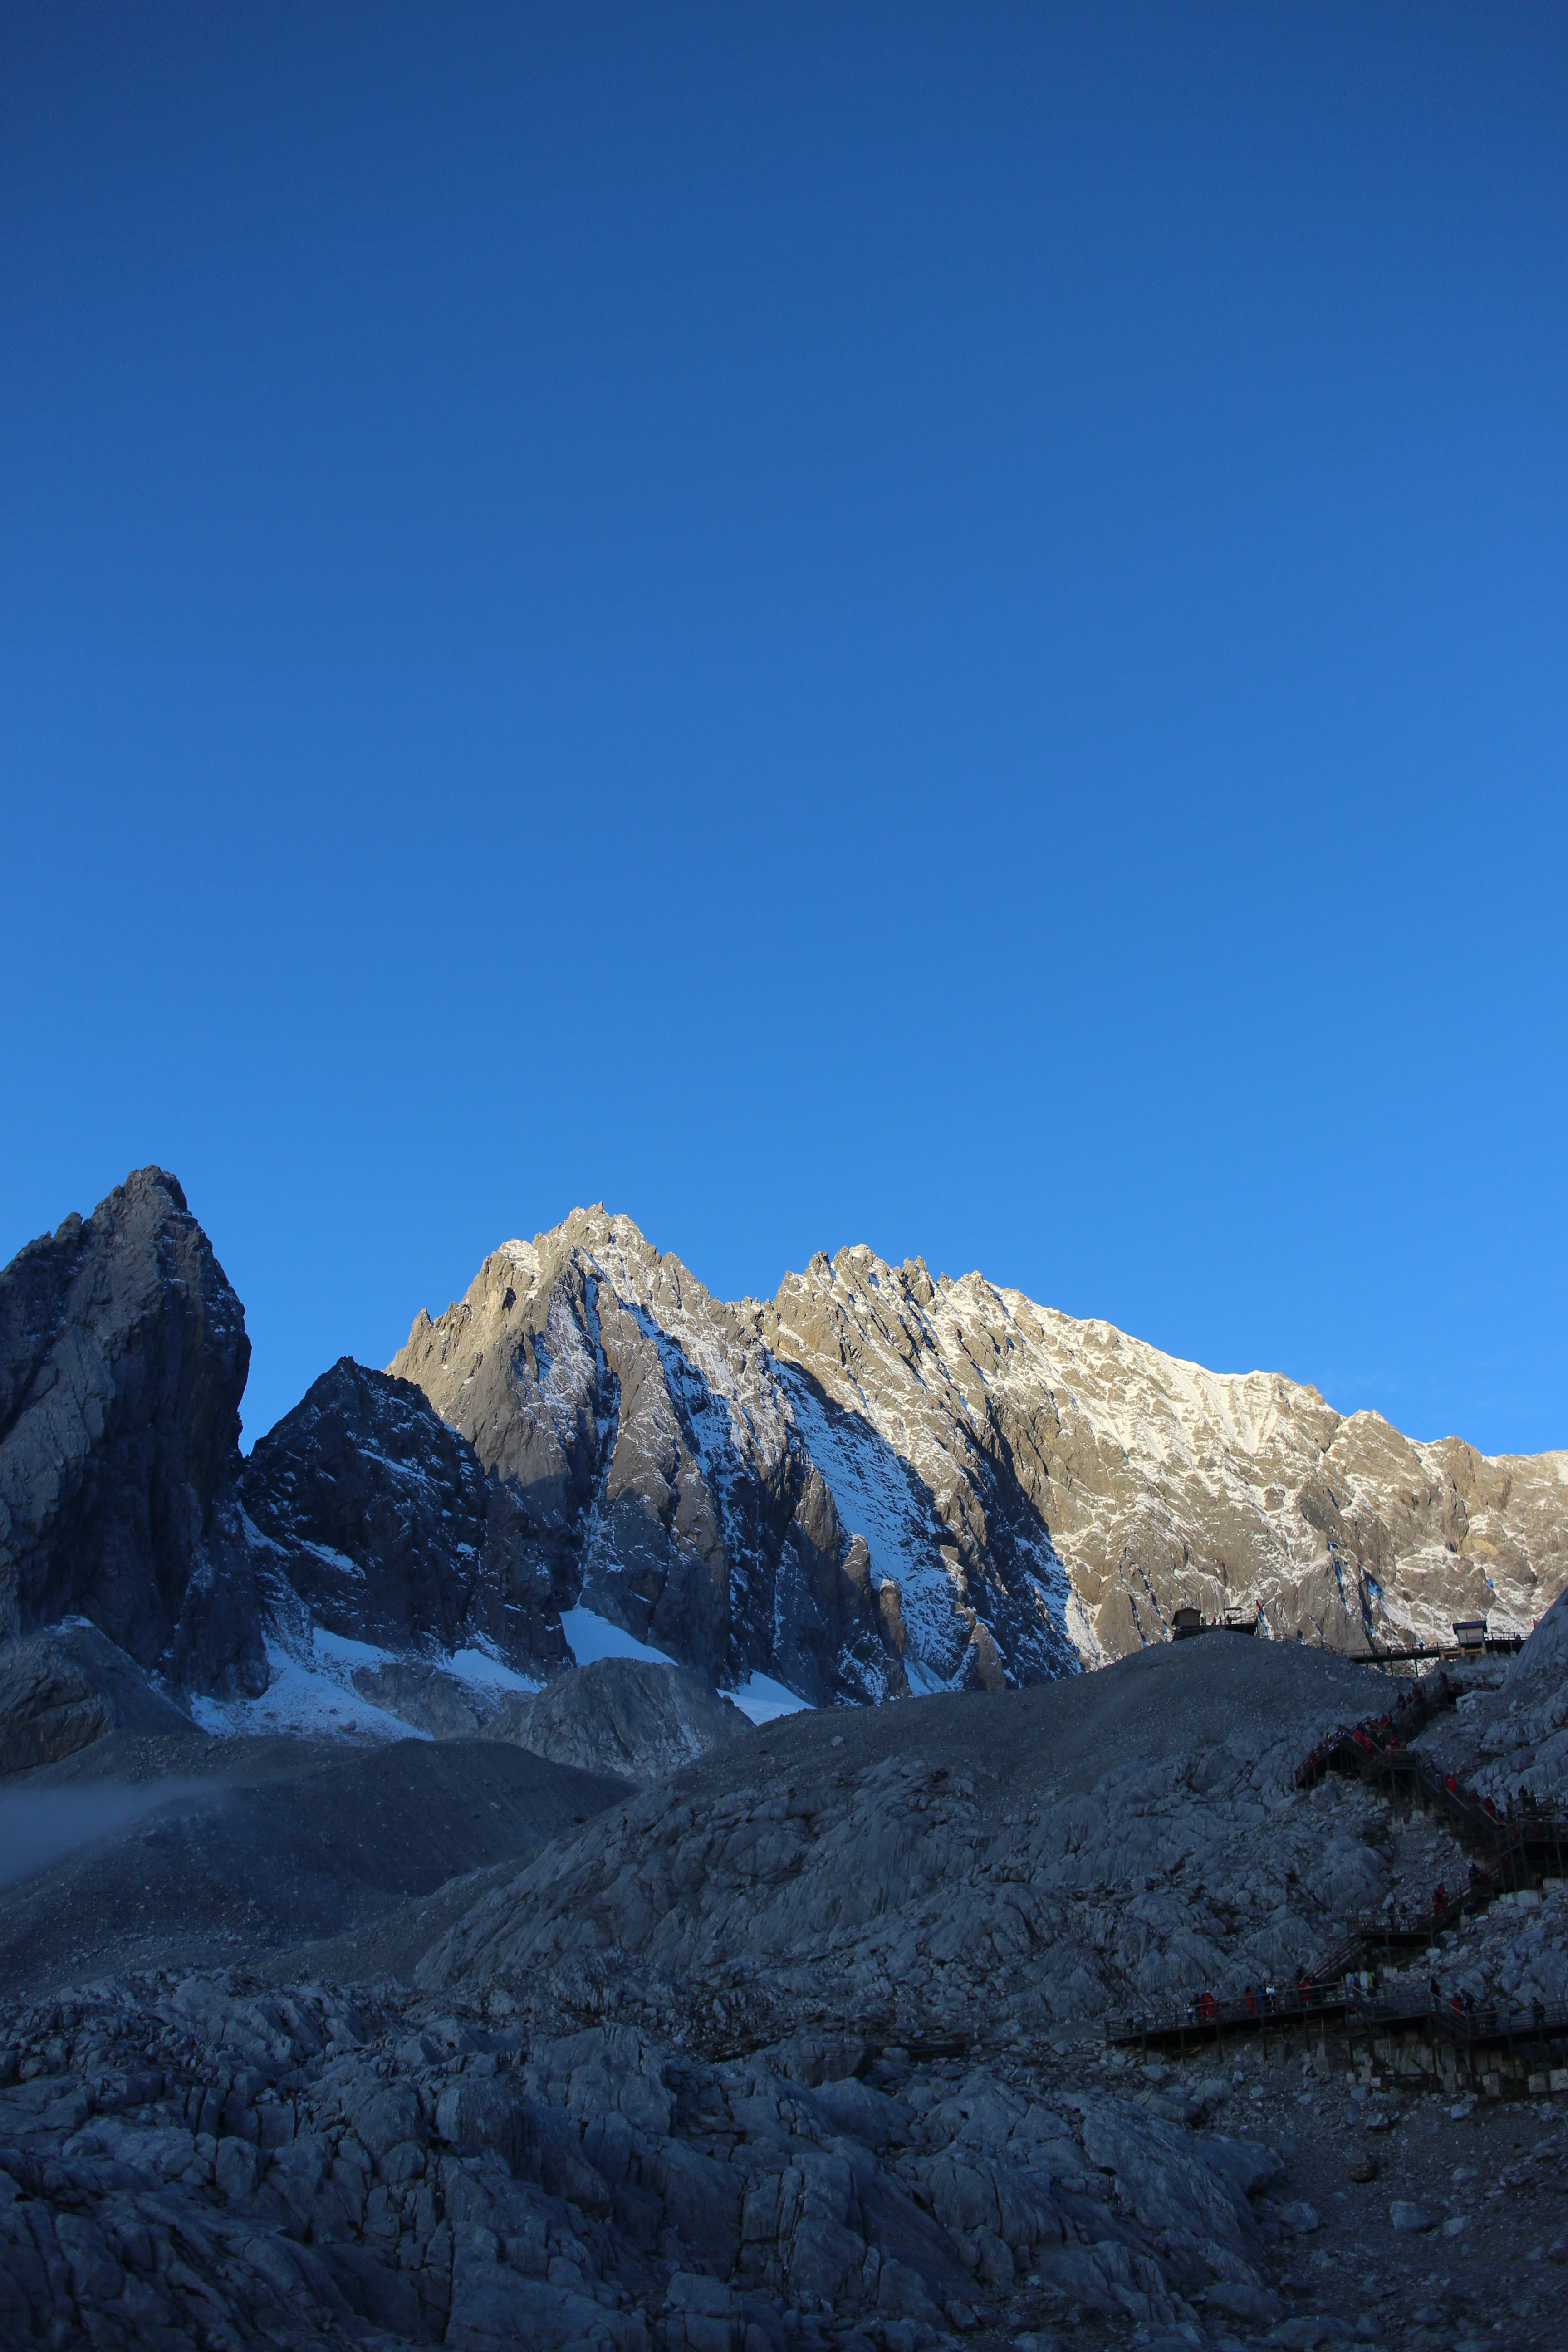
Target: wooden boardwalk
(1496,1645)
(1542,2038)
(1521,1845)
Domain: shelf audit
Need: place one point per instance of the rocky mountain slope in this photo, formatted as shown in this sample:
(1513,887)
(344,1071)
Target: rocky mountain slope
(381,1520)
(800,2050)
(122,1361)
(1100,1844)
(142,1559)
(798,2044)
(644,1428)
(872,1486)
(875,1482)
(236,1848)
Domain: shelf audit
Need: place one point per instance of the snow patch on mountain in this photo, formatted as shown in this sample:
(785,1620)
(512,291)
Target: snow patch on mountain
(591,1636)
(878,1498)
(763,1700)
(310,1694)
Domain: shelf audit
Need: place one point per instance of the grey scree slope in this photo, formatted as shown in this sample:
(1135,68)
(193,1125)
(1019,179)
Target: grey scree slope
(242,1847)
(1099,1843)
(874,1481)
(214,2157)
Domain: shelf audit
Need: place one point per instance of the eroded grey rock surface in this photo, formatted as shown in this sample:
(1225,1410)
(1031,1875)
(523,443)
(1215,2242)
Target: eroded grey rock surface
(307,2163)
(1520,1733)
(1106,1843)
(623,1716)
(122,1361)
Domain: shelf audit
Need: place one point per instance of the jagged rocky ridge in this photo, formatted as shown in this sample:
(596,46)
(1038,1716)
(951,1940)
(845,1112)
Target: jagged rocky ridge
(646,1431)
(876,1481)
(873,1483)
(127,1511)
(122,1361)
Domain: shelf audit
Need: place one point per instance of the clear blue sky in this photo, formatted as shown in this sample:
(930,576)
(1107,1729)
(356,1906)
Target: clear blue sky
(942,626)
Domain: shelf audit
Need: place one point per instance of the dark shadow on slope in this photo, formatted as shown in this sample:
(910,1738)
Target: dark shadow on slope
(796,1600)
(266,1842)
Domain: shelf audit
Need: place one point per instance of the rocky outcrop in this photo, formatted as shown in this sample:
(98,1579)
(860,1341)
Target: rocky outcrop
(642,1428)
(196,2160)
(380,1516)
(1519,1734)
(878,1481)
(623,1716)
(123,1360)
(61,1691)
(427,1697)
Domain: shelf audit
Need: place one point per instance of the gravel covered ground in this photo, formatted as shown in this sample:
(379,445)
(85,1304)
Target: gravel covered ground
(191,1851)
(1116,1842)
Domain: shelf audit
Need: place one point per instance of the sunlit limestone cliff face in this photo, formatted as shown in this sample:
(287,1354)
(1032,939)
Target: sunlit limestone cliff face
(875,1482)
(1159,1484)
(660,1448)
(869,1486)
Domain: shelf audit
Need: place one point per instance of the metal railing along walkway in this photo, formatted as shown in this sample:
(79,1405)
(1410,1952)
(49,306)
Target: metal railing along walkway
(1523,1844)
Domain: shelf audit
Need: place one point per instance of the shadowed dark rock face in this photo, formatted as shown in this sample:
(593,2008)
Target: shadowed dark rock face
(59,1692)
(123,1360)
(124,1501)
(386,1524)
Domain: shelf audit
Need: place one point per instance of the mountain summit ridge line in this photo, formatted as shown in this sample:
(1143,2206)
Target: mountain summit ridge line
(1029,1491)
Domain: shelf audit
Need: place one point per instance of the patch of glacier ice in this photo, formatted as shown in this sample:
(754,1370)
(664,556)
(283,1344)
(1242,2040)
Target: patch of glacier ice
(591,1636)
(490,1673)
(763,1700)
(311,1695)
